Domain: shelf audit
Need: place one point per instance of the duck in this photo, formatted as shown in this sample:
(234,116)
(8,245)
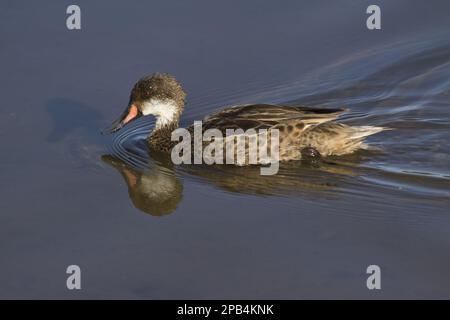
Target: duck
(304,132)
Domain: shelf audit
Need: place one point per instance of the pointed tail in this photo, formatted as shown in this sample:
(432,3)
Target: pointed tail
(365,131)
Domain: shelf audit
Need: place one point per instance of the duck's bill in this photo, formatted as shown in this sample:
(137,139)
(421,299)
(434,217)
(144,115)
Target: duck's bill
(130,114)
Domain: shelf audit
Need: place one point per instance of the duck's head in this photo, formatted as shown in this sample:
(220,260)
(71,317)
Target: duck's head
(159,95)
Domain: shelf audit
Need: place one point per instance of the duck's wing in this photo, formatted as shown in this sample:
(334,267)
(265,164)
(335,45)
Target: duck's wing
(264,116)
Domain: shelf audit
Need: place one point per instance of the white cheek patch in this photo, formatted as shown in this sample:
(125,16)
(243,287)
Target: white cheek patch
(164,111)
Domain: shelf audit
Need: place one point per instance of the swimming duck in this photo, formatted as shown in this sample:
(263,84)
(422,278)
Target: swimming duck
(303,131)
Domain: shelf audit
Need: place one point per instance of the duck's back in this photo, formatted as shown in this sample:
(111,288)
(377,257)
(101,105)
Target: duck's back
(265,116)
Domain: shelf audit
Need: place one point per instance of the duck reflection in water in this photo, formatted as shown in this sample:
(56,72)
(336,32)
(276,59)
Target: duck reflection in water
(157,188)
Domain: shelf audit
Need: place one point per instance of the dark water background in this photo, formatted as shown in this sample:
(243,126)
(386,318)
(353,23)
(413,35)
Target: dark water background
(168,232)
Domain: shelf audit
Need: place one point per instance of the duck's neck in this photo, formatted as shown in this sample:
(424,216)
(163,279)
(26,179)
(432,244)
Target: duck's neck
(160,138)
(167,114)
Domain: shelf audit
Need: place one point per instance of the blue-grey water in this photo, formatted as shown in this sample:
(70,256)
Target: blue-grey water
(139,227)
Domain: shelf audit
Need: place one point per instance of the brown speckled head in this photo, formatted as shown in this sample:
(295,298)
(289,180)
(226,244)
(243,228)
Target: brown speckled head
(161,86)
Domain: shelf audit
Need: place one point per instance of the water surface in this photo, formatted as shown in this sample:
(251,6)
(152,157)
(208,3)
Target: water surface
(140,227)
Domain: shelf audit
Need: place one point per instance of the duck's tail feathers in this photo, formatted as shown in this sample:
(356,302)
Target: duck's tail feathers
(359,133)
